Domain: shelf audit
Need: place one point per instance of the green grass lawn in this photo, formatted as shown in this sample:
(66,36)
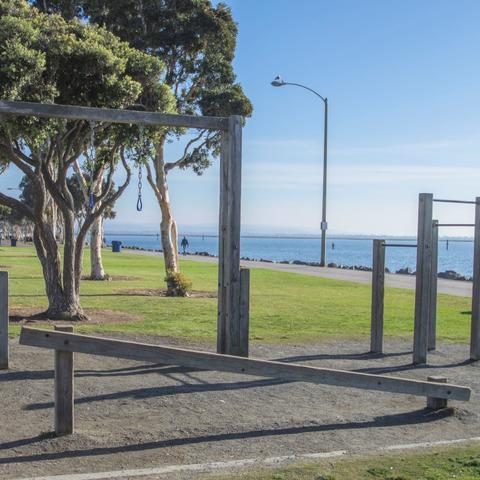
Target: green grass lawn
(459,463)
(285,307)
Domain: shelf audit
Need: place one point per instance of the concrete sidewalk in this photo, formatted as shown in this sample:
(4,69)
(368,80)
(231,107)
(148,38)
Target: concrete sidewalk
(449,287)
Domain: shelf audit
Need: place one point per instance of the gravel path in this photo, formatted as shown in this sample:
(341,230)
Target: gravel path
(135,415)
(449,287)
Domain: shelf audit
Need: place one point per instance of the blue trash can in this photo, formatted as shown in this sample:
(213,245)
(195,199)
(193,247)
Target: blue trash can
(116,246)
(13,242)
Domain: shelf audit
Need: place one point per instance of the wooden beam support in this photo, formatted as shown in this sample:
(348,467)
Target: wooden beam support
(111,115)
(434,403)
(432,311)
(423,278)
(64,414)
(228,324)
(227,363)
(475,323)
(378,295)
(3,320)
(244,311)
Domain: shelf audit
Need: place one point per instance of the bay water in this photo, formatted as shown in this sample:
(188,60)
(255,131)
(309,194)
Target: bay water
(340,250)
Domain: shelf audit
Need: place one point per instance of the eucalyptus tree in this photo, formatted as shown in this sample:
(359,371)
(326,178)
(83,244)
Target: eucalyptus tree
(196,41)
(44,58)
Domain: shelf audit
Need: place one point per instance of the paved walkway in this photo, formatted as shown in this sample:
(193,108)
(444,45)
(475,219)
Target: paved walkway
(450,287)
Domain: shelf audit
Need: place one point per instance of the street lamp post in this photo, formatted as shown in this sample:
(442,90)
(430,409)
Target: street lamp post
(279,82)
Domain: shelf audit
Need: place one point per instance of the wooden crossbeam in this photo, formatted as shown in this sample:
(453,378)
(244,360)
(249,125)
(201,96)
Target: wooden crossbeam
(31,109)
(227,363)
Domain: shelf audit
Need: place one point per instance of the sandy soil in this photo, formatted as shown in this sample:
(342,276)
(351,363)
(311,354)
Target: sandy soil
(31,316)
(134,415)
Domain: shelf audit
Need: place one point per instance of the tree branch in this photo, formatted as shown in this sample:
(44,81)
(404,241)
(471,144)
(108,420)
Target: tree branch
(171,165)
(15,204)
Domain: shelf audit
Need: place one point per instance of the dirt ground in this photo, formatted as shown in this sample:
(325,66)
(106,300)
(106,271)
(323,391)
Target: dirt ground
(135,415)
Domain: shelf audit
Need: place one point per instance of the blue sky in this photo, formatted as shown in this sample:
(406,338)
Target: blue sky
(403,82)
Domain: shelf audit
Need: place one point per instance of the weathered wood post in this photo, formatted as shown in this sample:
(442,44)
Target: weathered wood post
(64,414)
(432,312)
(475,325)
(3,320)
(244,311)
(378,294)
(423,277)
(435,403)
(229,332)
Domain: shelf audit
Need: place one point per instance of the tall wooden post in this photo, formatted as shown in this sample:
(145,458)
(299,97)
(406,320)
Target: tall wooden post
(378,294)
(3,320)
(423,277)
(244,311)
(432,312)
(475,326)
(64,416)
(229,324)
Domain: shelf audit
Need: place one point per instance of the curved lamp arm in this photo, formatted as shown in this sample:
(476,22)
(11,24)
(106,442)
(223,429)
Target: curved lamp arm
(306,88)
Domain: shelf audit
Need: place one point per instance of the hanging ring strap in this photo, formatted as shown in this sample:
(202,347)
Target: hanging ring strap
(91,198)
(139,200)
(91,201)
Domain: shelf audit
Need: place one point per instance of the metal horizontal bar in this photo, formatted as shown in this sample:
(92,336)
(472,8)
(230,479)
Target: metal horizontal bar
(111,115)
(441,200)
(398,245)
(72,342)
(454,225)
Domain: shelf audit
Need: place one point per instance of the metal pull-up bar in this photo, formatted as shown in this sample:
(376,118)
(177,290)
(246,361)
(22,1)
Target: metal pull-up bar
(396,245)
(455,225)
(469,202)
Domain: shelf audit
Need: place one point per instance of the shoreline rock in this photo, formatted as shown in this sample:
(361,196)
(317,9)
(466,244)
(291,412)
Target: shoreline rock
(448,274)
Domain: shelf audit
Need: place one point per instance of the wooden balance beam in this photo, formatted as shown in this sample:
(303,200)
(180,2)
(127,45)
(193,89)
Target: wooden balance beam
(62,341)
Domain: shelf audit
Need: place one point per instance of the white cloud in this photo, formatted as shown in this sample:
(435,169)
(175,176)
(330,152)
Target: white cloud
(291,176)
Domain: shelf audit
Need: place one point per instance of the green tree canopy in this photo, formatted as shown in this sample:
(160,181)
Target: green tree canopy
(44,58)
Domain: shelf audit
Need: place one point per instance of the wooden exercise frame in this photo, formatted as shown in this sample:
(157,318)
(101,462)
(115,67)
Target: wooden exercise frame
(427,278)
(378,292)
(233,285)
(65,343)
(425,325)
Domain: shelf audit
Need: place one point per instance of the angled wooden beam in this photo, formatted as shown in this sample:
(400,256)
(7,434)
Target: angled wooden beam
(111,115)
(228,363)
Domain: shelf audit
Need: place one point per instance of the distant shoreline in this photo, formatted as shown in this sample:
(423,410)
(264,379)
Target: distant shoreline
(448,274)
(294,237)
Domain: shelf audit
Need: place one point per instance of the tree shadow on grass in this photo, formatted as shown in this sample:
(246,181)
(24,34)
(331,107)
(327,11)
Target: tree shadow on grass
(416,417)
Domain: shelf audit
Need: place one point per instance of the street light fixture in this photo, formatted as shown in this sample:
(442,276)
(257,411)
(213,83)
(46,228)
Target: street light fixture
(279,82)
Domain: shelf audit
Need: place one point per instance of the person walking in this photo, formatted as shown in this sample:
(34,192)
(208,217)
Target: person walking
(184,245)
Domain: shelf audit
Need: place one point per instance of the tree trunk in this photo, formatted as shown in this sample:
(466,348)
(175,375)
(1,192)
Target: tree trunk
(62,304)
(97,272)
(167,225)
